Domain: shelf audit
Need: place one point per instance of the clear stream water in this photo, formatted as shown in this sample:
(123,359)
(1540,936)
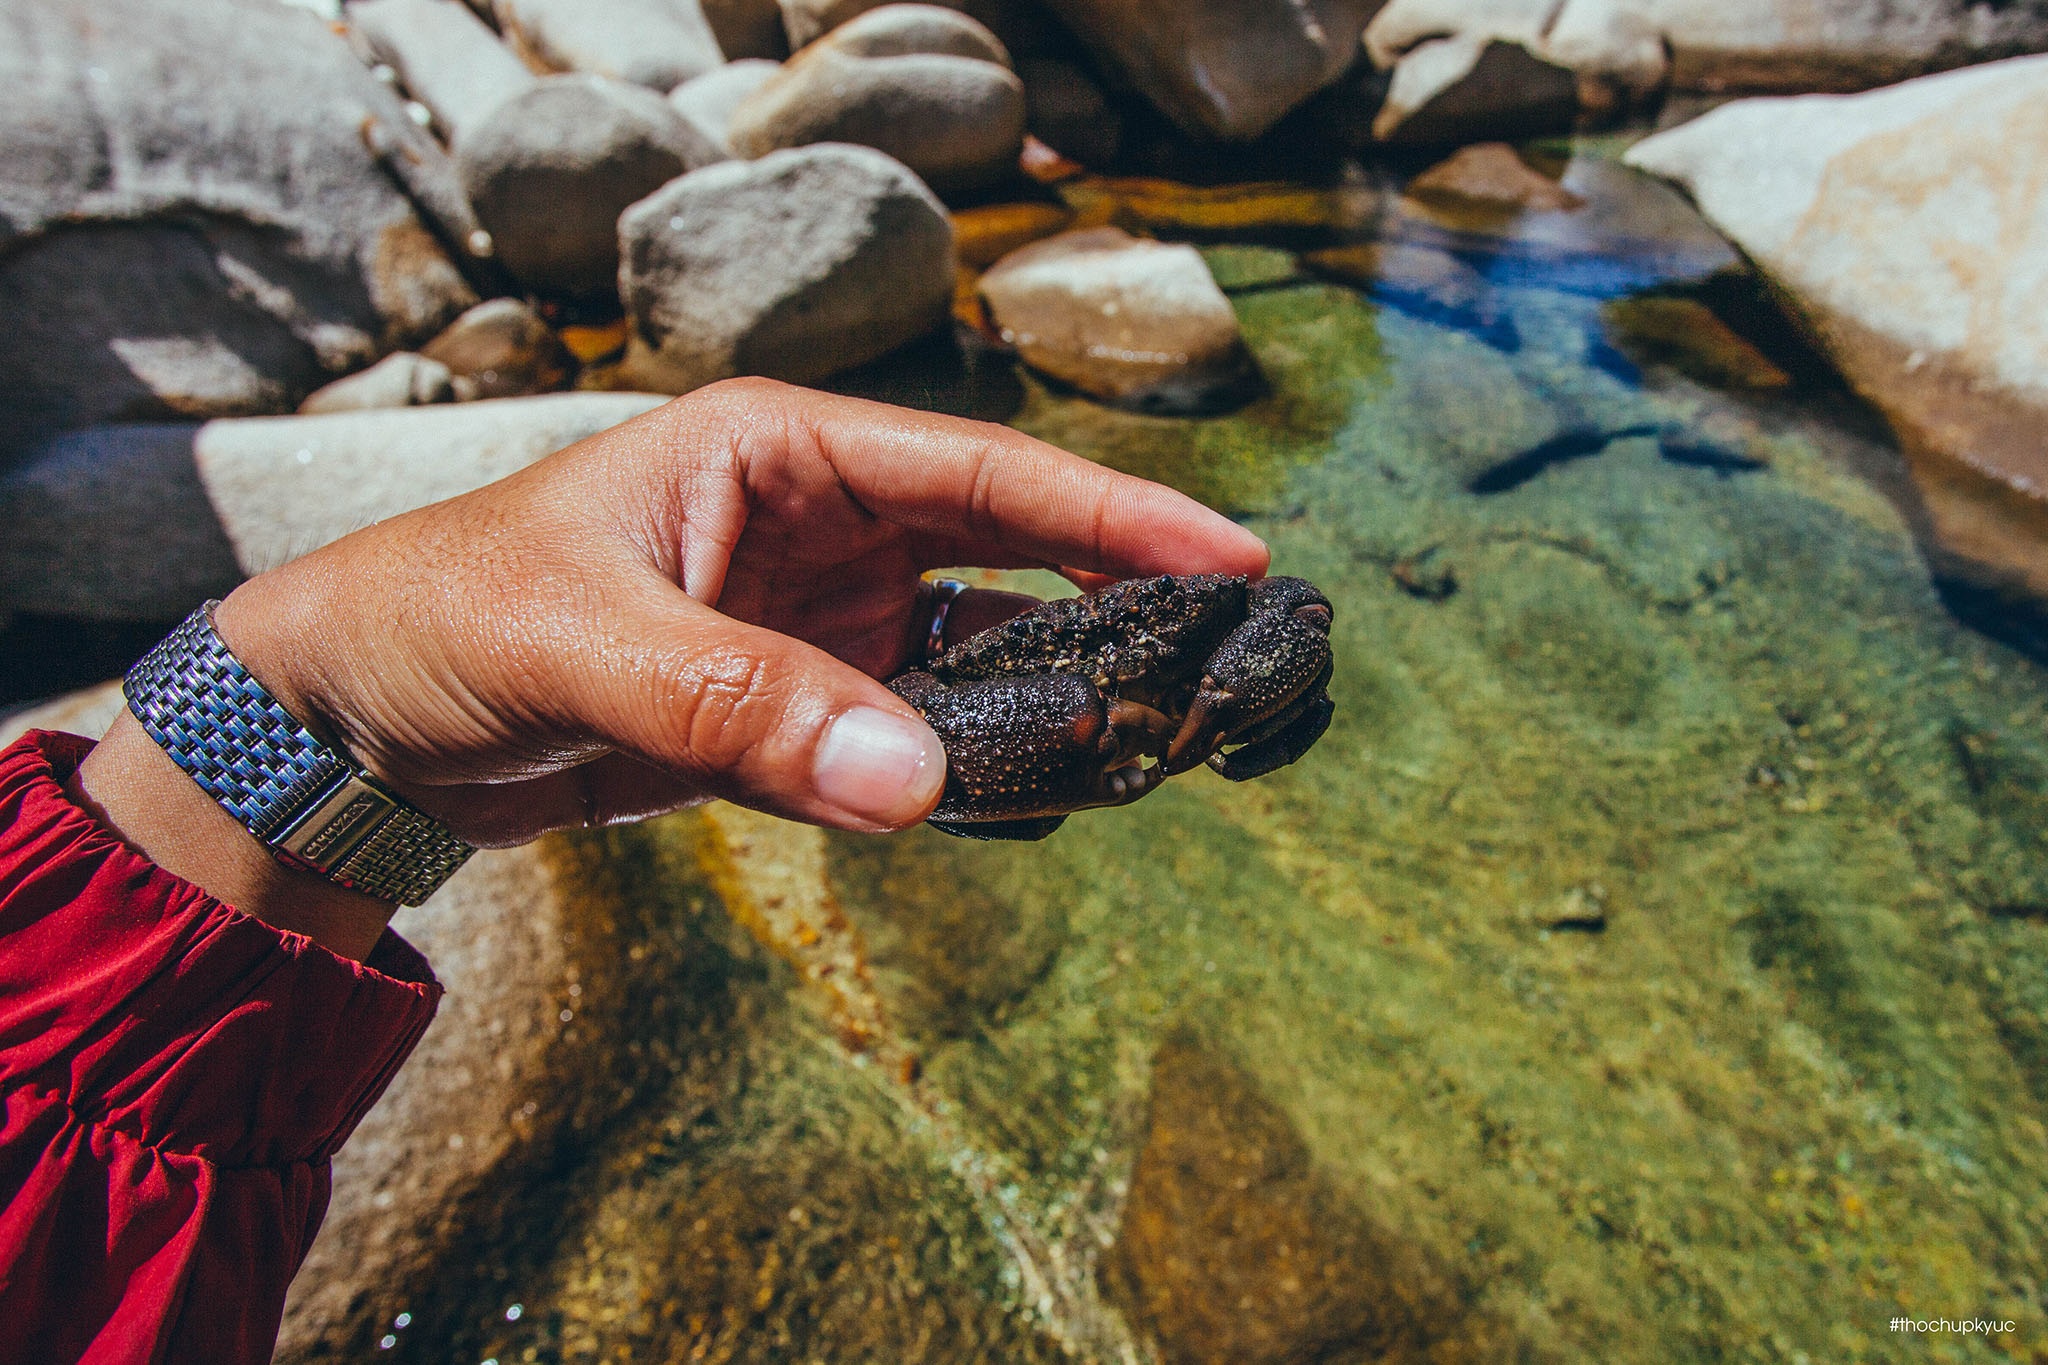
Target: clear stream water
(1651,964)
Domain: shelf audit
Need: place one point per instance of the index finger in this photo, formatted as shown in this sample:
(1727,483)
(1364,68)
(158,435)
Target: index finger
(954,479)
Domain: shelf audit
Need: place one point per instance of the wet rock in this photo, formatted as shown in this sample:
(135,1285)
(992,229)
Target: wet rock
(792,266)
(1138,323)
(748,29)
(958,121)
(552,170)
(1689,337)
(193,217)
(1464,71)
(1904,224)
(1235,1250)
(500,349)
(1222,68)
(655,43)
(1424,280)
(708,101)
(449,61)
(403,379)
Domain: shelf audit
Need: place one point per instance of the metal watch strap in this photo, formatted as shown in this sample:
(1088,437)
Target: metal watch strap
(311,805)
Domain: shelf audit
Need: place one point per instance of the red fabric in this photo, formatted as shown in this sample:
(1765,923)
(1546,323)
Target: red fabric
(174,1079)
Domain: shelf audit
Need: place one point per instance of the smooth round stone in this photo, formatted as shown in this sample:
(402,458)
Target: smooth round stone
(957,121)
(1138,323)
(655,43)
(899,30)
(708,101)
(403,379)
(804,262)
(500,349)
(550,172)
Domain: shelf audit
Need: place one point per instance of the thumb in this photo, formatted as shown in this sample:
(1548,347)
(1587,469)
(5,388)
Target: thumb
(760,719)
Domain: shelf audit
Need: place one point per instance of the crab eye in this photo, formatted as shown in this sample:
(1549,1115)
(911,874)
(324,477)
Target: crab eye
(1315,613)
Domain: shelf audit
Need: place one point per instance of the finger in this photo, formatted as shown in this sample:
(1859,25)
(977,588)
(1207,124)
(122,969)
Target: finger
(753,716)
(950,478)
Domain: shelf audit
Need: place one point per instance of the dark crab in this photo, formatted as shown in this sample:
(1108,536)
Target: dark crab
(1060,709)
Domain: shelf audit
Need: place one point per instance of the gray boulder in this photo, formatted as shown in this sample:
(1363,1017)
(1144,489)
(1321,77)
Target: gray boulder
(403,379)
(957,120)
(207,208)
(550,172)
(656,43)
(448,59)
(142,523)
(709,100)
(793,266)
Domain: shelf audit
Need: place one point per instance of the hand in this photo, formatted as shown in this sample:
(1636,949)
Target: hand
(697,603)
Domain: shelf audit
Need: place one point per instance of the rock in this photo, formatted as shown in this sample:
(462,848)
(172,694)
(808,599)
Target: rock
(1227,1213)
(806,21)
(112,524)
(193,219)
(792,266)
(1222,68)
(1068,108)
(900,30)
(708,101)
(1490,175)
(656,43)
(88,712)
(400,380)
(1470,69)
(1423,280)
(1688,336)
(550,173)
(447,58)
(748,29)
(1137,323)
(1905,227)
(143,523)
(957,121)
(500,349)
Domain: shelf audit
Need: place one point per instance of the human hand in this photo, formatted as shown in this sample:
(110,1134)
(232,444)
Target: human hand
(697,603)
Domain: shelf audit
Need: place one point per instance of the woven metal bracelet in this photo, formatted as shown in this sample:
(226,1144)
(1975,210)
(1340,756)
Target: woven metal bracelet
(309,803)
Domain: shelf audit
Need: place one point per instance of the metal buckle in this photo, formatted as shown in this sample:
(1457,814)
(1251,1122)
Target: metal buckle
(335,823)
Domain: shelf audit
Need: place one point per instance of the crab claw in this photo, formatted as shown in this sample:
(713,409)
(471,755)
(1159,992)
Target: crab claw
(1267,676)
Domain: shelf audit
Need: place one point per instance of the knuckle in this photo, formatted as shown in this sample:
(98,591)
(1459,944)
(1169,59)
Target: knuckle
(726,707)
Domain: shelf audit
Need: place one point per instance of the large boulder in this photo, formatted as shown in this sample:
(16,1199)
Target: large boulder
(1138,323)
(929,86)
(656,43)
(551,170)
(1906,227)
(1471,69)
(205,209)
(142,523)
(793,266)
(1223,68)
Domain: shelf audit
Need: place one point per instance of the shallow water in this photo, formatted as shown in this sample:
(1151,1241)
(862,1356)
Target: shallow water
(1651,963)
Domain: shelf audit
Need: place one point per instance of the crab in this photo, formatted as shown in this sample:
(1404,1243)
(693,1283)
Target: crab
(1096,700)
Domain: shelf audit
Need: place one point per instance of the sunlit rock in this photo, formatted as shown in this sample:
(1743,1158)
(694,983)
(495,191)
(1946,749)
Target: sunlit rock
(793,266)
(708,100)
(403,379)
(926,85)
(448,59)
(500,349)
(656,43)
(1136,322)
(552,169)
(208,212)
(1905,226)
(1223,68)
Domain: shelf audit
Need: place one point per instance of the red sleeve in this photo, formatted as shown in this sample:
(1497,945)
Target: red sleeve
(174,1079)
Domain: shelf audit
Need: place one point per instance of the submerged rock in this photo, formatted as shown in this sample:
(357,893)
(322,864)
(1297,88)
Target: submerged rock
(196,215)
(655,43)
(1138,323)
(923,86)
(1222,68)
(1489,175)
(551,171)
(793,266)
(1905,226)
